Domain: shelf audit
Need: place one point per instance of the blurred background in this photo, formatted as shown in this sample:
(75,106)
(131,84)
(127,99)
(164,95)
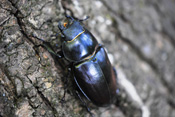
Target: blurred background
(139,36)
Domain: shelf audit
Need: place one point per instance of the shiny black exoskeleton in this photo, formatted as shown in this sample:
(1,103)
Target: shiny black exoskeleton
(91,68)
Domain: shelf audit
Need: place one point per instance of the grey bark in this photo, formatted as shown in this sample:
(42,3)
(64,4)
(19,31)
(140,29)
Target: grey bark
(140,34)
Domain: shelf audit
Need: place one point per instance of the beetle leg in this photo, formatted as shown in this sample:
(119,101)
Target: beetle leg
(60,53)
(47,46)
(118,89)
(115,72)
(65,89)
(84,103)
(81,20)
(118,94)
(37,53)
(59,34)
(68,16)
(65,85)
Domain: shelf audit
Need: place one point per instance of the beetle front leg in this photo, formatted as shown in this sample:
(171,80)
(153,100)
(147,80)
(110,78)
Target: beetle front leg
(49,48)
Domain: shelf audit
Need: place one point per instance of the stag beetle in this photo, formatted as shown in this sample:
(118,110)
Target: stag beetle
(92,71)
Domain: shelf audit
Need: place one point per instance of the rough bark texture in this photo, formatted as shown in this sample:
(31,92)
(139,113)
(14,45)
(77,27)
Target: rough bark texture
(140,34)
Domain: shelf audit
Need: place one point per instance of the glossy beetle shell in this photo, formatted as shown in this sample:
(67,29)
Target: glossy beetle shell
(96,79)
(92,70)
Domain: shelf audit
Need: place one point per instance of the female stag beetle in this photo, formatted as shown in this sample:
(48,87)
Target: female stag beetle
(91,68)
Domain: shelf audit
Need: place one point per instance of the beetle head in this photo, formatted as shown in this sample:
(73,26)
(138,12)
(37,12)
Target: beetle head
(70,28)
(65,23)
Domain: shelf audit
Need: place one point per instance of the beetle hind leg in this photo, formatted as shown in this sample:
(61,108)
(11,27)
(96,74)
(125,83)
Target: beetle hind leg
(116,75)
(85,104)
(115,72)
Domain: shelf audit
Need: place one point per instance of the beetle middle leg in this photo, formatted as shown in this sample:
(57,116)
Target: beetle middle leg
(58,53)
(66,82)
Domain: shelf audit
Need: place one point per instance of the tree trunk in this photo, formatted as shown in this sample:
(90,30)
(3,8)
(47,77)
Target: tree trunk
(140,34)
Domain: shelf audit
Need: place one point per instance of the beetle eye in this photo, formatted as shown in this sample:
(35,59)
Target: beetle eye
(62,25)
(65,24)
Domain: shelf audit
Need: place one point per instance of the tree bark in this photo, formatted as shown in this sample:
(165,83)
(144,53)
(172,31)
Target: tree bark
(140,34)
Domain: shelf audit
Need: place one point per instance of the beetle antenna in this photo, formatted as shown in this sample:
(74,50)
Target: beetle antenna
(87,17)
(68,16)
(61,27)
(60,33)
